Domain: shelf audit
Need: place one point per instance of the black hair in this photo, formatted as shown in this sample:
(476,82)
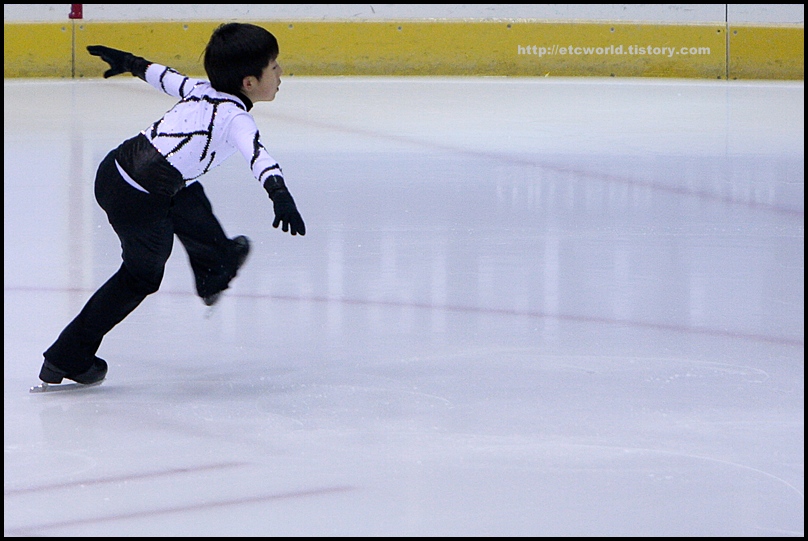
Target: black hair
(236,51)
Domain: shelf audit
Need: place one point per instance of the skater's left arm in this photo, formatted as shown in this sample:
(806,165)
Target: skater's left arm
(243,134)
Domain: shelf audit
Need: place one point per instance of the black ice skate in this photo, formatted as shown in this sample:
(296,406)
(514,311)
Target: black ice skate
(242,250)
(52,377)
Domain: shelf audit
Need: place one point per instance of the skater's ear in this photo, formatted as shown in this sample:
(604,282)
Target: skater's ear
(249,83)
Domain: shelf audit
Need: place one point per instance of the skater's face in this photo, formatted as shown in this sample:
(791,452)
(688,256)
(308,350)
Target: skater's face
(265,88)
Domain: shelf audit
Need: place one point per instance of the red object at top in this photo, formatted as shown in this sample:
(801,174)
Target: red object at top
(76,11)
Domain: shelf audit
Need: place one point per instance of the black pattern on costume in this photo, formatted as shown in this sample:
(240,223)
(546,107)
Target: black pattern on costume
(168,70)
(205,127)
(187,137)
(257,148)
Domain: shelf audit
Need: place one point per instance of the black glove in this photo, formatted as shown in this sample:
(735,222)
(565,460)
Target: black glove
(285,208)
(120,61)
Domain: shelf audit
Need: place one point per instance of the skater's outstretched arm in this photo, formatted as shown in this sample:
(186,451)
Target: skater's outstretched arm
(120,61)
(160,77)
(243,134)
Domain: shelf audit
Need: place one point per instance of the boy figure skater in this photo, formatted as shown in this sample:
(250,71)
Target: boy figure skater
(147,187)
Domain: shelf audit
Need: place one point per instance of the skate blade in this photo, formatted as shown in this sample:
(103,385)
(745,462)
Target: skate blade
(56,387)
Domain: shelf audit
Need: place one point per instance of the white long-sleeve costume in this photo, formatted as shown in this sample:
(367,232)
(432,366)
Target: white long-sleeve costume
(202,130)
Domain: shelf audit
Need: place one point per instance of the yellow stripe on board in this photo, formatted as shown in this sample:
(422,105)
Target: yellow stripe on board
(175,44)
(767,52)
(442,48)
(435,47)
(38,50)
(496,48)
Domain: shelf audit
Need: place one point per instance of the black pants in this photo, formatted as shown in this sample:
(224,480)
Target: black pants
(146,225)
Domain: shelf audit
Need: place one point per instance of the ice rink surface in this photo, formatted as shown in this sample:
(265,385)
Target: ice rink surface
(523,307)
